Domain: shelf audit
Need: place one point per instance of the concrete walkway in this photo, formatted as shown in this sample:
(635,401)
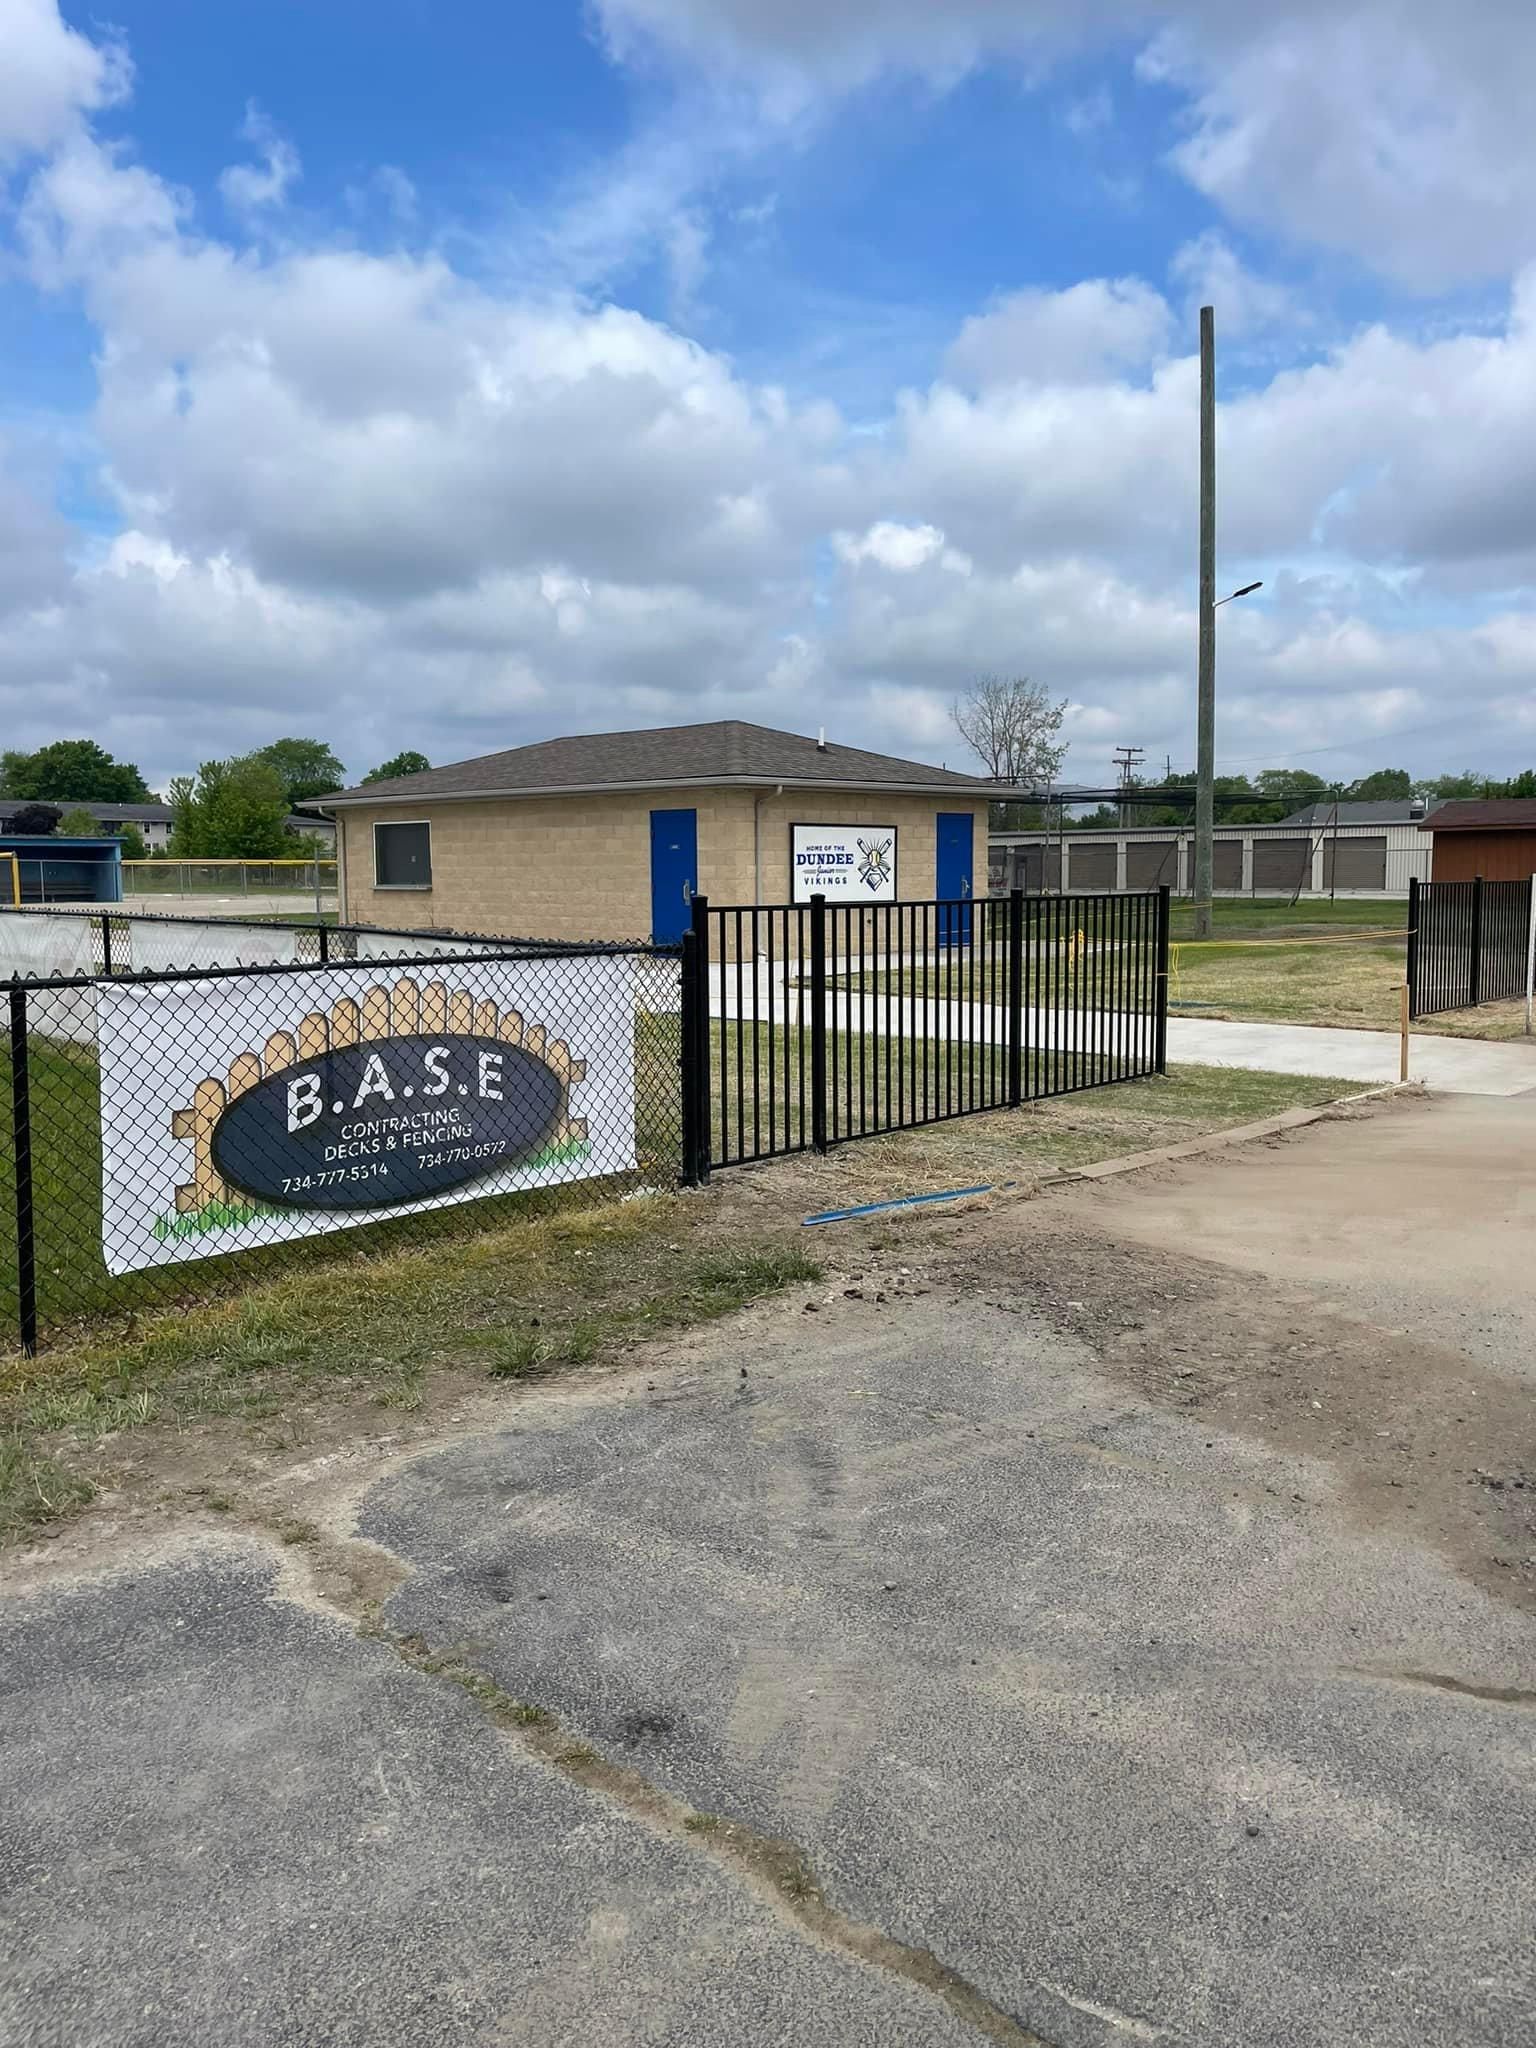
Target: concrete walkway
(1456,1066)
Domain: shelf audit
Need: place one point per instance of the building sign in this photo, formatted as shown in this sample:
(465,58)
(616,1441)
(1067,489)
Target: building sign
(844,863)
(251,1110)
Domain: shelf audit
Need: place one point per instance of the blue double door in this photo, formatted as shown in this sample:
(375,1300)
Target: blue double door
(674,873)
(953,875)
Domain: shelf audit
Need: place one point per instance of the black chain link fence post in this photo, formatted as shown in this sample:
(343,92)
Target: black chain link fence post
(21,1131)
(1412,971)
(689,1059)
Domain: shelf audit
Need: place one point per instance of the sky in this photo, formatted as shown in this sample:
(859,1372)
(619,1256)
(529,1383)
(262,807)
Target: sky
(453,376)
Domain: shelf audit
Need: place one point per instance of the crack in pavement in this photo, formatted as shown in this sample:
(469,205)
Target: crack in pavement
(1442,1681)
(352,1577)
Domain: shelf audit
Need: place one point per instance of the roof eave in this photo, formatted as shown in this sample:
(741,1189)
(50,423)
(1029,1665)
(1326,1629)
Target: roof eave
(978,790)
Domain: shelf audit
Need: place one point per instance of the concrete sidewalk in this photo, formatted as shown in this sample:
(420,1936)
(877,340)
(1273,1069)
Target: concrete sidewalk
(1455,1066)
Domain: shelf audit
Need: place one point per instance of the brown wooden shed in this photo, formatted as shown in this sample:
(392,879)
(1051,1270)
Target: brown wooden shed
(1494,837)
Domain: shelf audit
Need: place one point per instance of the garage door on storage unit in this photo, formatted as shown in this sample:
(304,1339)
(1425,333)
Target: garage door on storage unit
(1227,864)
(1149,866)
(1355,863)
(1091,867)
(1283,864)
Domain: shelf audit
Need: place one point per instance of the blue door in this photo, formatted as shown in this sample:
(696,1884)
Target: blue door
(956,833)
(674,873)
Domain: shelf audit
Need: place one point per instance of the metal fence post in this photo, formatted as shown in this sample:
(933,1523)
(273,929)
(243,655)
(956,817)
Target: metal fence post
(1475,965)
(325,943)
(1413,946)
(699,1079)
(21,1132)
(819,1022)
(106,943)
(1160,1022)
(688,1059)
(1015,997)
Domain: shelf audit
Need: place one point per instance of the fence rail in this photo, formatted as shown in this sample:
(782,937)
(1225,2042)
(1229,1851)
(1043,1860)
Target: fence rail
(41,943)
(1468,943)
(819,1023)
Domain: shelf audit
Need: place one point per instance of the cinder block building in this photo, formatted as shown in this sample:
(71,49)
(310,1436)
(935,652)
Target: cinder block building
(610,835)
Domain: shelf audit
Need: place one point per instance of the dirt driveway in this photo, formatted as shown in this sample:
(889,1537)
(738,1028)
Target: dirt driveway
(1097,1618)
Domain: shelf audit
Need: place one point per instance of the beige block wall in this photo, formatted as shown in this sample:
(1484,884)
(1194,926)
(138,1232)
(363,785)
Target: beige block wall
(579,867)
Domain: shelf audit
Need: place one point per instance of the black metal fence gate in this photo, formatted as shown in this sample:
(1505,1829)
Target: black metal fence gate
(806,1025)
(1467,944)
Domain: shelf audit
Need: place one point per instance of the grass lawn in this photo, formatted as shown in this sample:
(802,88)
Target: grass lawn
(1277,915)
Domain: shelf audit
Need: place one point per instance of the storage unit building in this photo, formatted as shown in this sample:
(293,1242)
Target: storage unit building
(1247,860)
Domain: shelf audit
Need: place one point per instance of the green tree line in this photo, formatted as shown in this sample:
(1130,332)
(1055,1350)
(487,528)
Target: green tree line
(234,809)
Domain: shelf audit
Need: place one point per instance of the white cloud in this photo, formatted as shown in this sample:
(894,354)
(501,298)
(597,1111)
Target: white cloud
(1084,335)
(49,76)
(248,189)
(1211,273)
(891,546)
(1396,130)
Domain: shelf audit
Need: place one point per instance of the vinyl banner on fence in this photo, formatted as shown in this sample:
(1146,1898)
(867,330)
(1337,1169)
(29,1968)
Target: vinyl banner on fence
(252,1110)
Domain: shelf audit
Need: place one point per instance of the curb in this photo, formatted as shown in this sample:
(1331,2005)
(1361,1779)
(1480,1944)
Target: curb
(1216,1141)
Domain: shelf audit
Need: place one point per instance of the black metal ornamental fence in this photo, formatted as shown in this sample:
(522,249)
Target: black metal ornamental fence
(807,1025)
(1467,944)
(164,1133)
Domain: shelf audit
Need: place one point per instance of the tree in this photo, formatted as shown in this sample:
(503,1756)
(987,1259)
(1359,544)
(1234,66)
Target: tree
(1446,788)
(305,768)
(407,763)
(34,821)
(131,839)
(1292,788)
(72,772)
(1010,724)
(1387,785)
(80,823)
(234,810)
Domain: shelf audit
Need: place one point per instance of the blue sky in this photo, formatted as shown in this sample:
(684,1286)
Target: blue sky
(452,376)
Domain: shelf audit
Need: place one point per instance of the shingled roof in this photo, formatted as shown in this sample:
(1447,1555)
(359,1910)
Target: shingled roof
(664,757)
(1484,814)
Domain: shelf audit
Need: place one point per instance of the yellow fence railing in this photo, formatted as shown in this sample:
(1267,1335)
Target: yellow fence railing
(167,877)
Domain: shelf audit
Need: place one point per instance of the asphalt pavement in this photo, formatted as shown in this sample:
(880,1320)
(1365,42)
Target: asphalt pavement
(1092,1720)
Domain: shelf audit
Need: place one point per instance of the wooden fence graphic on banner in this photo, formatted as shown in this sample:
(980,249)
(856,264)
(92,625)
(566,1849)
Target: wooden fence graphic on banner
(406,1010)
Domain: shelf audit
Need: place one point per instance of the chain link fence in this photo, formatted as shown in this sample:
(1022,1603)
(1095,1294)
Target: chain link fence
(165,1134)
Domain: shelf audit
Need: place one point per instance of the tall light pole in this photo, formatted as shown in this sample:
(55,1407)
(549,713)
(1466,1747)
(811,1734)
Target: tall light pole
(1205,724)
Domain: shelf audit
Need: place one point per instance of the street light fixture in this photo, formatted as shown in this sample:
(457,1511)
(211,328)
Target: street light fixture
(1246,591)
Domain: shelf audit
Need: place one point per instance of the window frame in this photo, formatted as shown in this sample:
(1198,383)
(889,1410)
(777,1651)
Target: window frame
(387,825)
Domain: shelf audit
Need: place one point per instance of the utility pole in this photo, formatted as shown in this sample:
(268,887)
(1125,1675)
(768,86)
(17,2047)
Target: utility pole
(1205,755)
(1126,759)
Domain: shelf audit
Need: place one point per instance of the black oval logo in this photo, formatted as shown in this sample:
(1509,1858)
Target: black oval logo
(388,1120)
